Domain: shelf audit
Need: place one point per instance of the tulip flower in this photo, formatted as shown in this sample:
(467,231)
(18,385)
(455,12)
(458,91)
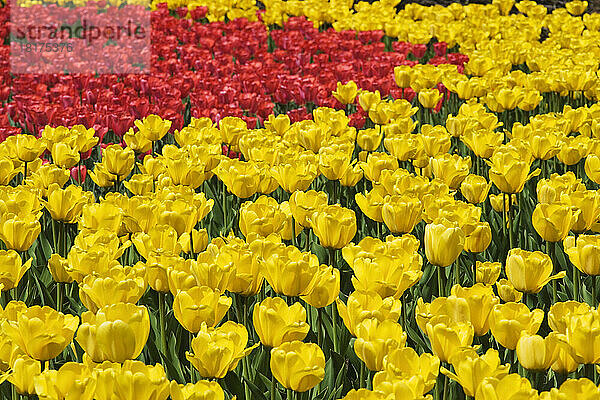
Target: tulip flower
(24,372)
(64,155)
(529,271)
(429,98)
(507,291)
(386,275)
(475,188)
(294,175)
(583,335)
(12,269)
(201,390)
(303,204)
(346,94)
(241,178)
(509,170)
(451,169)
(537,353)
(509,321)
(326,289)
(375,339)
(131,380)
(501,202)
(335,161)
(367,305)
(371,203)
(200,305)
(482,142)
(217,351)
(291,272)
(508,387)
(487,272)
(262,217)
(471,369)
(58,266)
(447,336)
(298,366)
(275,322)
(576,7)
(481,300)
(364,394)
(376,163)
(42,332)
(19,233)
(119,285)
(102,177)
(553,221)
(67,204)
(334,225)
(140,184)
(403,363)
(592,167)
(401,213)
(72,380)
(137,142)
(118,161)
(444,241)
(479,238)
(153,127)
(28,147)
(584,253)
(369,139)
(116,332)
(278,124)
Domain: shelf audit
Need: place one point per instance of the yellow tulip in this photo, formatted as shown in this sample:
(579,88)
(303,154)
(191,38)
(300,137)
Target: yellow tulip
(447,336)
(375,339)
(444,241)
(12,269)
(509,170)
(326,289)
(72,380)
(153,127)
(509,387)
(334,225)
(298,366)
(42,332)
(291,272)
(118,161)
(24,372)
(262,217)
(479,238)
(64,155)
(279,124)
(116,332)
(388,276)
(537,353)
(481,300)
(119,285)
(403,363)
(367,305)
(429,98)
(275,322)
(28,147)
(507,291)
(471,369)
(584,253)
(475,189)
(200,305)
(201,390)
(131,380)
(369,139)
(58,266)
(295,175)
(451,169)
(217,351)
(487,272)
(554,221)
(576,7)
(66,205)
(509,321)
(241,178)
(303,204)
(583,335)
(401,213)
(529,271)
(19,233)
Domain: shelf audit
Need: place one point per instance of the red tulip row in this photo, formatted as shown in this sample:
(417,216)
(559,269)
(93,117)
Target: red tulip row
(216,69)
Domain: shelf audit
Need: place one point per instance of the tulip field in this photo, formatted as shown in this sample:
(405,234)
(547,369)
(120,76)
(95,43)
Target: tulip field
(300,200)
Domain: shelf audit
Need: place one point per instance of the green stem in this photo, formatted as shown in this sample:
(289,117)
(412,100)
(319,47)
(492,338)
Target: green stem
(594,289)
(59,296)
(273,387)
(320,327)
(444,396)
(161,321)
(362,377)
(441,291)
(193,376)
(333,263)
(456,272)
(224,205)
(576,283)
(511,239)
(289,394)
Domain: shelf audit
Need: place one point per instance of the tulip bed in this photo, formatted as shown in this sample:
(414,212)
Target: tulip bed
(308,200)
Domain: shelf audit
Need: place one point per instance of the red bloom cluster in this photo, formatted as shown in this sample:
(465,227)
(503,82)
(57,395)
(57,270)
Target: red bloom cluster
(215,70)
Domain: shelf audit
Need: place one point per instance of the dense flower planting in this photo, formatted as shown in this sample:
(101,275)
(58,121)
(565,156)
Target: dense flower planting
(308,200)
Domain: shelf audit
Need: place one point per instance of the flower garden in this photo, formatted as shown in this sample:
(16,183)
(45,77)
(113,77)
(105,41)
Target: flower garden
(307,200)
